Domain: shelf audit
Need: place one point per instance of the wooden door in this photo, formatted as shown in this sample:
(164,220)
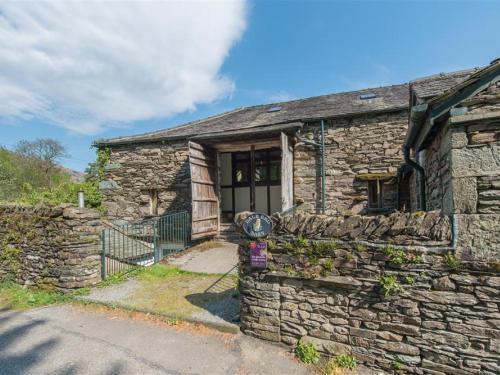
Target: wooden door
(286,173)
(205,202)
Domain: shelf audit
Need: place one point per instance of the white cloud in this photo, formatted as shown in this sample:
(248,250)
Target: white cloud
(86,66)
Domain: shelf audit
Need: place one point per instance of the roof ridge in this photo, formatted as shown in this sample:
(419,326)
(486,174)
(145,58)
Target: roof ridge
(446,75)
(325,95)
(175,127)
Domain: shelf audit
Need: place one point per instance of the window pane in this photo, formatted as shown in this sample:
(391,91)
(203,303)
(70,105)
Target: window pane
(260,154)
(275,154)
(260,173)
(242,156)
(241,170)
(275,172)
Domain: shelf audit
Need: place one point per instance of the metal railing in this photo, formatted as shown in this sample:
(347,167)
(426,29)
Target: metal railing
(144,243)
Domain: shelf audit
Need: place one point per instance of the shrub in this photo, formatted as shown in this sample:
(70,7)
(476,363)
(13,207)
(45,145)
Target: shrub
(10,260)
(65,192)
(307,353)
(389,284)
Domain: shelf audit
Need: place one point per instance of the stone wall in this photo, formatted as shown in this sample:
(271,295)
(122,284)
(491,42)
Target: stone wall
(356,148)
(430,228)
(135,171)
(417,309)
(52,247)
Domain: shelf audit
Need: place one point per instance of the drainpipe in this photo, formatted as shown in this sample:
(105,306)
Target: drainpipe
(323,172)
(421,172)
(321,147)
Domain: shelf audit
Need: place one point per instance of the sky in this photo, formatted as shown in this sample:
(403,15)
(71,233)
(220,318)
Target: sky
(77,72)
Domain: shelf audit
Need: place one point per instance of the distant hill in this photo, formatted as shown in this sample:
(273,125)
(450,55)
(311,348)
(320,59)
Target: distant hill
(75,176)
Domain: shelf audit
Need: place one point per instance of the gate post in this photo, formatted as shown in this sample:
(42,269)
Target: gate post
(155,243)
(103,254)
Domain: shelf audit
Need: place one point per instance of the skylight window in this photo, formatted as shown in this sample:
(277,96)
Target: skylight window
(274,109)
(369,95)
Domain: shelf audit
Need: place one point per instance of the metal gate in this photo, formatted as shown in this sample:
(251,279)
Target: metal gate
(144,243)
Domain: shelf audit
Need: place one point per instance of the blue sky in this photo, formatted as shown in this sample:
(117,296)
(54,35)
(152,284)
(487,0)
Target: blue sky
(266,51)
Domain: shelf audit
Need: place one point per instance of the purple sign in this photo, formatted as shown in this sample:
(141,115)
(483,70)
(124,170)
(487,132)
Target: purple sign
(258,254)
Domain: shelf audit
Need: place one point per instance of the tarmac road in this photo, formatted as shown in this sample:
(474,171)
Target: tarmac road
(76,340)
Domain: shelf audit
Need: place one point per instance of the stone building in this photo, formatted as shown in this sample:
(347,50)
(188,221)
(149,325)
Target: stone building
(337,154)
(454,140)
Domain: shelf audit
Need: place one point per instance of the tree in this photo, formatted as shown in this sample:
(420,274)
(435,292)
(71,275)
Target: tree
(46,149)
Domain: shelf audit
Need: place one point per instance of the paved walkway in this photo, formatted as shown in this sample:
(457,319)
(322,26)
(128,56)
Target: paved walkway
(73,341)
(222,258)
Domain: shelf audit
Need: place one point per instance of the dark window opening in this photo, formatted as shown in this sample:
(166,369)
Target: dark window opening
(375,195)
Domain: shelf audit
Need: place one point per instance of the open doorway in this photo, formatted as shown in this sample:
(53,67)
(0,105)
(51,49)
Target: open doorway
(250,181)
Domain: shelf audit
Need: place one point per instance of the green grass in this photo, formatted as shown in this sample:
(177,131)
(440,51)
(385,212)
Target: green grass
(14,296)
(174,292)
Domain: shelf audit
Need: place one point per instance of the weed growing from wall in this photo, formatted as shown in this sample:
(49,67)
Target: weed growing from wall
(452,261)
(307,353)
(345,361)
(389,284)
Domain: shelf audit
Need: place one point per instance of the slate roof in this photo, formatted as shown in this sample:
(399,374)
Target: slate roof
(388,98)
(430,86)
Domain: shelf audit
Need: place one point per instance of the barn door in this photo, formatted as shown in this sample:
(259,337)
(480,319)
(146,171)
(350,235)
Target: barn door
(205,203)
(286,173)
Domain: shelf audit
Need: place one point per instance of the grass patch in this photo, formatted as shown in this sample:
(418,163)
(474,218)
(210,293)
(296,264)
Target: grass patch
(207,245)
(174,292)
(14,296)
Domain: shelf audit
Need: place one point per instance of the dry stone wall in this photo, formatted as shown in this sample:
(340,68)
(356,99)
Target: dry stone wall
(136,171)
(355,147)
(53,247)
(407,309)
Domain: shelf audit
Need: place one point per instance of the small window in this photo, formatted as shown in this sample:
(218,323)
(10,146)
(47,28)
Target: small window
(375,199)
(153,202)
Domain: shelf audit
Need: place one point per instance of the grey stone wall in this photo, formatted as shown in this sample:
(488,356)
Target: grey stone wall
(52,247)
(135,170)
(355,148)
(429,228)
(441,319)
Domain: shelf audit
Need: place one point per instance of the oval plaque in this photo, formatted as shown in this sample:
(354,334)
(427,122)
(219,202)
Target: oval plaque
(257,225)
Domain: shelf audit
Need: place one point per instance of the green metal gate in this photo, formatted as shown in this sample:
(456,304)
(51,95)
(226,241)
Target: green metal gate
(144,243)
